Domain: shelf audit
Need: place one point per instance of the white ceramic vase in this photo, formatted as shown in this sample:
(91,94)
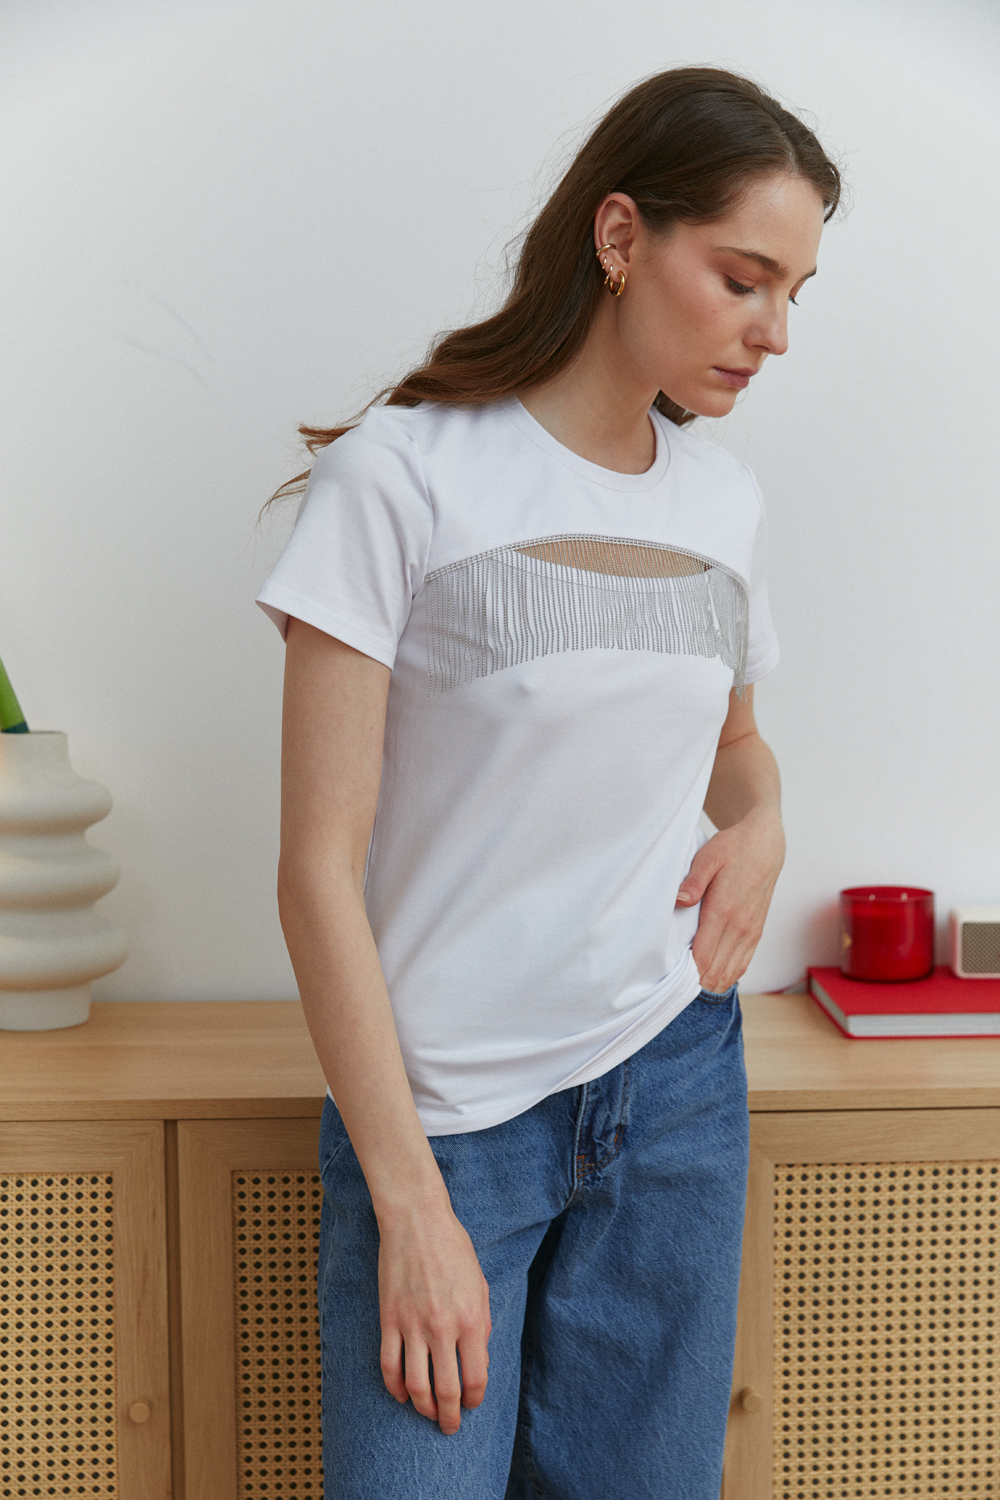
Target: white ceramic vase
(52,942)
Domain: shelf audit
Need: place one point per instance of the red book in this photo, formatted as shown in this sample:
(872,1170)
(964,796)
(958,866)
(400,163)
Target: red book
(939,1005)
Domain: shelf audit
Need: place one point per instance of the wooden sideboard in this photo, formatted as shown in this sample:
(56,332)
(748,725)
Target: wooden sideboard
(868,1325)
(159,1205)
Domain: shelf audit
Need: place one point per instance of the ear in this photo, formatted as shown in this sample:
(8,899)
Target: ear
(618,223)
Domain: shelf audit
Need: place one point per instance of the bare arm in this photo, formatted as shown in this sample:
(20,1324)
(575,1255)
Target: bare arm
(734,874)
(433,1296)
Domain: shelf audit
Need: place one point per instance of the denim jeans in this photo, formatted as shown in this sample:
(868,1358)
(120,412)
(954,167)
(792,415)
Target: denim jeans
(608,1223)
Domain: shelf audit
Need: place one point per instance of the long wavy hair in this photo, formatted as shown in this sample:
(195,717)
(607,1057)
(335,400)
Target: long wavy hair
(683,145)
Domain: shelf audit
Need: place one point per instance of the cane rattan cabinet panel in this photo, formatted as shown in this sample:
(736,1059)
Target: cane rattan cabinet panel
(250,1198)
(276,1216)
(84,1378)
(886,1337)
(58,1392)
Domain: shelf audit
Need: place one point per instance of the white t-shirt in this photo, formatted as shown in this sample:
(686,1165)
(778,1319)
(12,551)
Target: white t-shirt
(563,640)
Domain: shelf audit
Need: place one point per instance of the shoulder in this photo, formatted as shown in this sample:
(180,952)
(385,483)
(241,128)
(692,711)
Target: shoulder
(703,459)
(380,453)
(407,435)
(381,432)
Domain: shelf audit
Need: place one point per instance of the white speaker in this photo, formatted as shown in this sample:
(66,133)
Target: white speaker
(975,942)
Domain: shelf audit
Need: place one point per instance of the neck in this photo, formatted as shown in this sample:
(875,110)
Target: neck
(599,406)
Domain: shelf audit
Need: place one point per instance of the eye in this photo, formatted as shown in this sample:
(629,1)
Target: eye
(738,287)
(793,301)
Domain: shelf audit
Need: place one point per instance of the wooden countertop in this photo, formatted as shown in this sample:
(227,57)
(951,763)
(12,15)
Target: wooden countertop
(165,1060)
(232,1059)
(797,1059)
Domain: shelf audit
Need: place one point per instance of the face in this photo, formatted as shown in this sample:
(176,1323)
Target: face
(705,304)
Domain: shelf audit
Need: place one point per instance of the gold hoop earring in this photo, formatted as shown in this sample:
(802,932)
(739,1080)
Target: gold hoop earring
(616,291)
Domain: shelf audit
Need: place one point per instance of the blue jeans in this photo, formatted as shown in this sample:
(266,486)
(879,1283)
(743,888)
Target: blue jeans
(608,1223)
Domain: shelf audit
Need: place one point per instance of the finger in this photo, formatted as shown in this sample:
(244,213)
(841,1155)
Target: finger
(707,948)
(418,1377)
(718,955)
(725,922)
(721,967)
(694,886)
(447,1389)
(715,956)
(475,1366)
(704,868)
(391,1362)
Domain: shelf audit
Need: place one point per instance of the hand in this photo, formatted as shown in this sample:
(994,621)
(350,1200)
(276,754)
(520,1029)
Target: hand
(434,1301)
(733,876)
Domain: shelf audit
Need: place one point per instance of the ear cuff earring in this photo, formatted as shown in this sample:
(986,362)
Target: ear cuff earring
(615,291)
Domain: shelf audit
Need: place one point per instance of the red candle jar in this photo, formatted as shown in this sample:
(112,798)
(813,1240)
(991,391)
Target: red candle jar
(886,932)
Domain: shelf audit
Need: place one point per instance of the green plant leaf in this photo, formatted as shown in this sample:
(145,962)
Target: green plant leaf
(11,718)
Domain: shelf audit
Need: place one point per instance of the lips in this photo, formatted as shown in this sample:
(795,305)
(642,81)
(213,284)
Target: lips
(738,379)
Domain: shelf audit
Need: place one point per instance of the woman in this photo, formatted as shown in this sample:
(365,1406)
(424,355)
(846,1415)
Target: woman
(524,609)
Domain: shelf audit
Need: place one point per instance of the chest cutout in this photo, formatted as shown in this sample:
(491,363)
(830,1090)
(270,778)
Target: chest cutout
(580,592)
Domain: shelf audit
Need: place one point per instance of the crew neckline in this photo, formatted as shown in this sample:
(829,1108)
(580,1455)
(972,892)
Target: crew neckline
(610,479)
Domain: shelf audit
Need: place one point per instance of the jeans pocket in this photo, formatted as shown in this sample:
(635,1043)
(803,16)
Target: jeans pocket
(710,997)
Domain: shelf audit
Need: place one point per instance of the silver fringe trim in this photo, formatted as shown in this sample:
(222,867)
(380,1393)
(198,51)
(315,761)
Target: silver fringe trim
(579,592)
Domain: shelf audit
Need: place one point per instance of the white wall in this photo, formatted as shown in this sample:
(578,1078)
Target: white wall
(222,219)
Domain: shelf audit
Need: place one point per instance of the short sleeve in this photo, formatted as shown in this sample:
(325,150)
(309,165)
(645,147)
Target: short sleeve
(762,643)
(358,554)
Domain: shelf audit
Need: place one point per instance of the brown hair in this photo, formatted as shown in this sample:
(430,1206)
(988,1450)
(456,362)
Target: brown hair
(682,144)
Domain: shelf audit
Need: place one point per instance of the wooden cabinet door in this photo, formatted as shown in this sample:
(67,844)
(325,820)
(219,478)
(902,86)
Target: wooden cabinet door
(84,1362)
(869,1307)
(249,1199)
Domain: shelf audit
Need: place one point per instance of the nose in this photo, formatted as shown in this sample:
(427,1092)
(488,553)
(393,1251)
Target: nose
(771,332)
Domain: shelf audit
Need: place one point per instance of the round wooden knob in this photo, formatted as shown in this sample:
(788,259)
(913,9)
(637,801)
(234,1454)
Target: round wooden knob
(750,1400)
(139,1411)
